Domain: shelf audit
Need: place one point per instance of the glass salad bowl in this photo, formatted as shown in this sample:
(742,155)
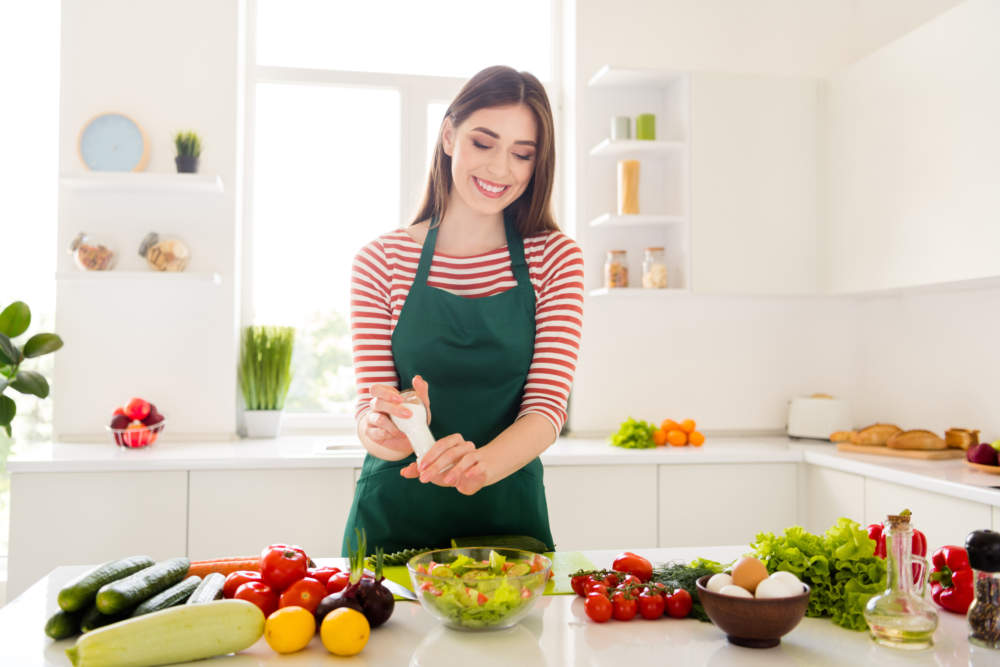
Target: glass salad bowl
(479,588)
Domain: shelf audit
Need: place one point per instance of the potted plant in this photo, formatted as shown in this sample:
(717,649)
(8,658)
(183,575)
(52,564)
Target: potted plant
(265,374)
(14,321)
(188,146)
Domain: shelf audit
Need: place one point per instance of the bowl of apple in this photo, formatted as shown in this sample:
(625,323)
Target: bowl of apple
(136,425)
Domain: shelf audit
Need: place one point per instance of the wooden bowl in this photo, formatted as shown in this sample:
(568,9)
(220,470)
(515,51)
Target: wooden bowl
(750,622)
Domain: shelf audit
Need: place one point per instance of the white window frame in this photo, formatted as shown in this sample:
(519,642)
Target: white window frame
(416,93)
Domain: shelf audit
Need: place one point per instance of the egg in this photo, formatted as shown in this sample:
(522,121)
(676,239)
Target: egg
(772,588)
(748,572)
(789,580)
(718,581)
(735,591)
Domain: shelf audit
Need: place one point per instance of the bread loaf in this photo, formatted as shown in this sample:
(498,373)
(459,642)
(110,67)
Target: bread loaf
(961,438)
(916,439)
(843,436)
(876,435)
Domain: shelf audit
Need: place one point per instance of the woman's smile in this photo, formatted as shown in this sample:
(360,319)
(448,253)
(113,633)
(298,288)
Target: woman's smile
(489,188)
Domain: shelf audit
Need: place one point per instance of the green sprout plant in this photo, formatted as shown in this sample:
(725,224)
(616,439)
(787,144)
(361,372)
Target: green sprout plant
(265,366)
(14,321)
(188,144)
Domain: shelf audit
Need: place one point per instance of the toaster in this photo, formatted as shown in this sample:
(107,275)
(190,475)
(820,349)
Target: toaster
(817,416)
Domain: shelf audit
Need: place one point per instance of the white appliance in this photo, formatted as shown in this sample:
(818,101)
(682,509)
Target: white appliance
(817,416)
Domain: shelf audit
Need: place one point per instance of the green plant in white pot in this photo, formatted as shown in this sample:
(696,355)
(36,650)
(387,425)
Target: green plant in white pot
(14,321)
(265,374)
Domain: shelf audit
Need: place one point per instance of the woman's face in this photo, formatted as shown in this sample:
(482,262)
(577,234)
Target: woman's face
(492,156)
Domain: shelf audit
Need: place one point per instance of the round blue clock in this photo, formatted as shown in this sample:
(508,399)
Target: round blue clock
(113,142)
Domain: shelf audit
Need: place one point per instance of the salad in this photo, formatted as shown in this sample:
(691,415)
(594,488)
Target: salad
(468,591)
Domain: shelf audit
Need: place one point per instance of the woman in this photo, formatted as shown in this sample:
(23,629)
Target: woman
(477,305)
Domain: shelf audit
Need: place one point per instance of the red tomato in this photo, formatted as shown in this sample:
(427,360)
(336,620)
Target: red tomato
(237,579)
(679,604)
(600,589)
(322,574)
(598,608)
(338,582)
(281,566)
(305,593)
(293,547)
(633,564)
(260,594)
(481,599)
(578,582)
(623,608)
(630,579)
(610,580)
(651,604)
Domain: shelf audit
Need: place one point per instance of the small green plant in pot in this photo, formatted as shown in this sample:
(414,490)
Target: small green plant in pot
(188,146)
(265,374)
(14,321)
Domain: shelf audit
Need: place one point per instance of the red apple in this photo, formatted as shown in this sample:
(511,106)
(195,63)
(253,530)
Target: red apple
(137,408)
(118,411)
(120,421)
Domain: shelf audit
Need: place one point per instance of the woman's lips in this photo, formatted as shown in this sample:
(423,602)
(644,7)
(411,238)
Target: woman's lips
(482,185)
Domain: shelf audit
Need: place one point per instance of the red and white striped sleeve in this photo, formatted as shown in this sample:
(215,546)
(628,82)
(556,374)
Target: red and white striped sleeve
(371,323)
(558,324)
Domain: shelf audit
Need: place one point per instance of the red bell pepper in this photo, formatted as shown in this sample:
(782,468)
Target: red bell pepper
(918,546)
(952,579)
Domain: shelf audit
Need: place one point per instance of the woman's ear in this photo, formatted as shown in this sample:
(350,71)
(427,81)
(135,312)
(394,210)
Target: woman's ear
(448,137)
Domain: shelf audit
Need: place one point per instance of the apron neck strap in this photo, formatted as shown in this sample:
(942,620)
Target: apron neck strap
(515,246)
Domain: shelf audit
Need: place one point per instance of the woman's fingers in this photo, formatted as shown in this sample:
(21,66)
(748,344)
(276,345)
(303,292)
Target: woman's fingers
(410,471)
(423,393)
(450,450)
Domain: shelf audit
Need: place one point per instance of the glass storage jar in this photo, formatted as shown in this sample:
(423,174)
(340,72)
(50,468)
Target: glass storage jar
(616,269)
(91,253)
(654,269)
(983,547)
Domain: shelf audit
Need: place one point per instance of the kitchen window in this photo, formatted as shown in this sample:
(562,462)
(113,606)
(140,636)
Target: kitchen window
(341,121)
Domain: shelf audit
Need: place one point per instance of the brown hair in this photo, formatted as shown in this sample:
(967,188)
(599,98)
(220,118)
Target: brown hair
(495,87)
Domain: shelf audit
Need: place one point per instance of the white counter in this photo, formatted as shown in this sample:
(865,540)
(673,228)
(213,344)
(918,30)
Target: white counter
(556,633)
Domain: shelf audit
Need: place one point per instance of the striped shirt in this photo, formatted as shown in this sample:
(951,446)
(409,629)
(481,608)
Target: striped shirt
(384,270)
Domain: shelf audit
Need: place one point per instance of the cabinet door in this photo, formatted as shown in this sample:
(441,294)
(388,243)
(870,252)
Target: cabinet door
(831,494)
(239,512)
(945,520)
(92,517)
(723,504)
(602,507)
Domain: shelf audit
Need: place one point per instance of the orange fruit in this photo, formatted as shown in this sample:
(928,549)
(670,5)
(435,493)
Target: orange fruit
(660,437)
(669,425)
(687,425)
(677,438)
(696,438)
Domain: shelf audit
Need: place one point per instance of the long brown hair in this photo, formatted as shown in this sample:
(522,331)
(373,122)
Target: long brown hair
(495,87)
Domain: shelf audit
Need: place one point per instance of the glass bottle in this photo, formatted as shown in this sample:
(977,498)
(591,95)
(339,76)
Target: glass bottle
(616,269)
(984,612)
(654,269)
(900,617)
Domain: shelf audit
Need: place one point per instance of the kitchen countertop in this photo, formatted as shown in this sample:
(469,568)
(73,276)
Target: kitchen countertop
(556,633)
(949,477)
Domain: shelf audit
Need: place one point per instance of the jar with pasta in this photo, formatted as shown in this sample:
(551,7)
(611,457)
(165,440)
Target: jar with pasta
(654,269)
(616,269)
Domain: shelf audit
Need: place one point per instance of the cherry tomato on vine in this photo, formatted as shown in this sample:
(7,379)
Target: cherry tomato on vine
(623,607)
(578,582)
(651,604)
(679,604)
(600,589)
(598,608)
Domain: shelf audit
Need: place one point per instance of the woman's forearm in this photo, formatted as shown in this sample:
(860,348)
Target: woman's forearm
(517,446)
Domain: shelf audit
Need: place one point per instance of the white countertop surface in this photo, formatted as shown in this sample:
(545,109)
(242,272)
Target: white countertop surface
(949,477)
(556,633)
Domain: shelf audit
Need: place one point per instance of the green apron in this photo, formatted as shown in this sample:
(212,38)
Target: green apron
(474,354)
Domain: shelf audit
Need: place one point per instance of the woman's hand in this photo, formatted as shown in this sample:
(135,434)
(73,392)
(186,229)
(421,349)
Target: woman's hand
(452,461)
(378,426)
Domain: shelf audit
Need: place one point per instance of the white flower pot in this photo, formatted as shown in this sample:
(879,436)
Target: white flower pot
(262,423)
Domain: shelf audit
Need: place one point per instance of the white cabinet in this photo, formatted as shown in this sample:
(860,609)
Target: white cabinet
(238,512)
(602,507)
(831,494)
(943,519)
(722,504)
(92,517)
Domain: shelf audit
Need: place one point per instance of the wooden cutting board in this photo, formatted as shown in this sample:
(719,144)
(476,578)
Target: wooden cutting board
(924,454)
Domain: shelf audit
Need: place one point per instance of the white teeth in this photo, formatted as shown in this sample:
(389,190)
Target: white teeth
(490,188)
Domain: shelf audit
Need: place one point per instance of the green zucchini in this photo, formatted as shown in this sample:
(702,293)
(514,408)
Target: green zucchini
(523,542)
(125,593)
(93,619)
(63,624)
(209,589)
(79,593)
(401,557)
(178,634)
(175,595)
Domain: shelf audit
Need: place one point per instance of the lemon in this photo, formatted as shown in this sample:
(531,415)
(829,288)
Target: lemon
(344,631)
(289,629)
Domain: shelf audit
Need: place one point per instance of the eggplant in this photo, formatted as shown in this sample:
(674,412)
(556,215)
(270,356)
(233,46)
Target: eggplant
(983,547)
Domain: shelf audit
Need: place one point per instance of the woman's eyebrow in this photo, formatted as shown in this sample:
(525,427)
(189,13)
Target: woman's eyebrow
(497,136)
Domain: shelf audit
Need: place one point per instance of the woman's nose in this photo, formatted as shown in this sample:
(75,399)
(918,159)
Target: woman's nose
(498,164)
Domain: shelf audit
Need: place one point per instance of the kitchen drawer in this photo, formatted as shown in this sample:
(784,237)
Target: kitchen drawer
(945,520)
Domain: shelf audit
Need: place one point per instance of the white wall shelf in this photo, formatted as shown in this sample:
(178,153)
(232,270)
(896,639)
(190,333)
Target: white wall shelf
(609,76)
(612,220)
(165,276)
(621,147)
(635,291)
(142,183)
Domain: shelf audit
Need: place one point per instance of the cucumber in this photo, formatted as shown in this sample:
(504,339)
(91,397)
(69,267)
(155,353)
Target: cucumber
(63,624)
(209,589)
(399,557)
(79,593)
(91,618)
(125,593)
(178,634)
(523,542)
(175,595)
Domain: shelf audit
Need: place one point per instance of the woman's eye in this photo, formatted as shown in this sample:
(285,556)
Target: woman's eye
(478,145)
(523,157)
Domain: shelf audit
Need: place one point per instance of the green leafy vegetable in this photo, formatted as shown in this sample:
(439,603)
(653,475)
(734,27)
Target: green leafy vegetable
(634,434)
(840,567)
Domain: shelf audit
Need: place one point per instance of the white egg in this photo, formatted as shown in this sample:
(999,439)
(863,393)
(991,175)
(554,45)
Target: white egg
(735,591)
(772,588)
(718,581)
(790,581)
